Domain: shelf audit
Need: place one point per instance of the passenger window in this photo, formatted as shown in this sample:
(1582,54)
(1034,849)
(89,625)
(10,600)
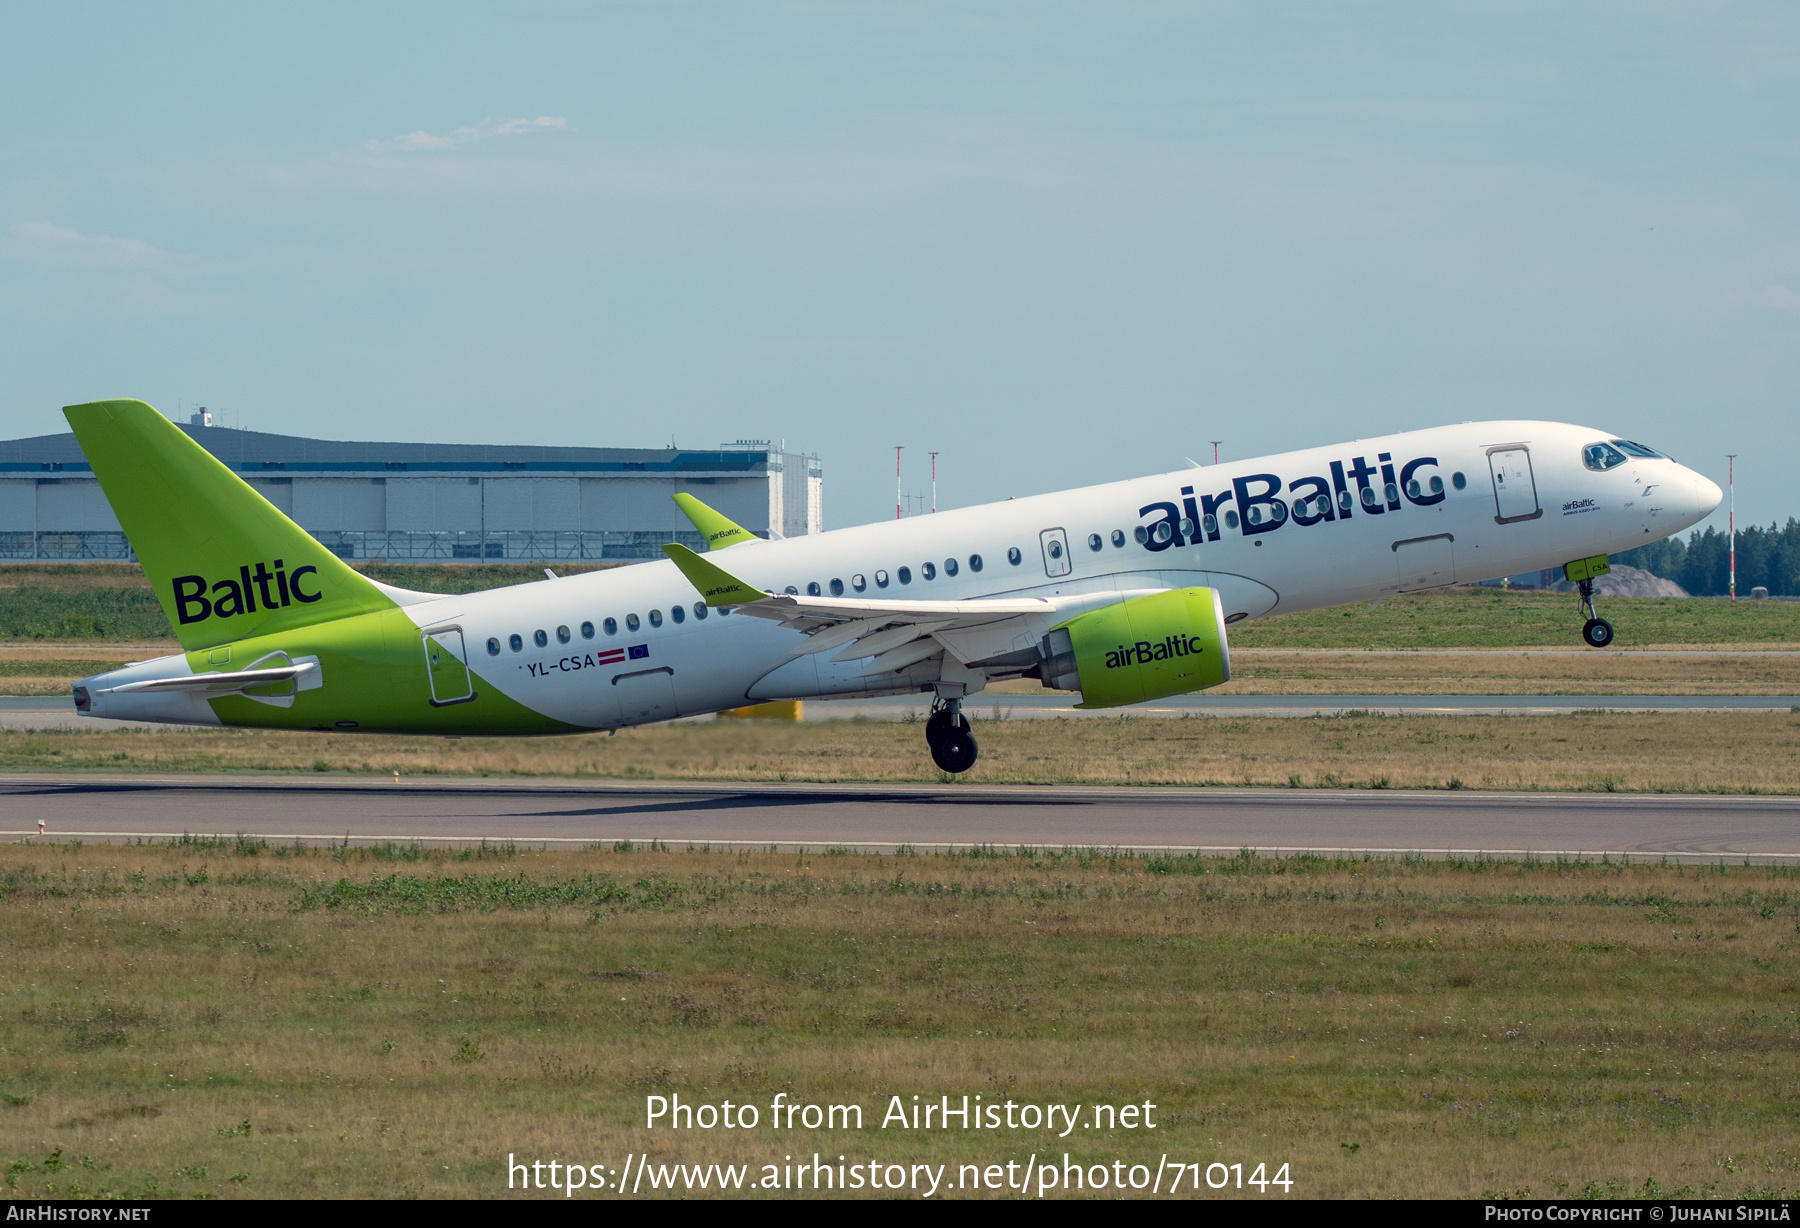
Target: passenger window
(928,570)
(1013,556)
(700,611)
(514,642)
(858,583)
(1392,492)
(1457,480)
(881,579)
(1346,502)
(1095,542)
(813,589)
(678,614)
(1118,538)
(974,562)
(562,635)
(1187,527)
(1368,496)
(1210,523)
(539,638)
(1437,485)
(587,631)
(631,622)
(1143,535)
(791,591)
(837,587)
(905,575)
(656,618)
(949,567)
(1231,520)
(493,647)
(610,626)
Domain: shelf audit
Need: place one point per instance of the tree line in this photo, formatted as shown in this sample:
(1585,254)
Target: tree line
(1768,557)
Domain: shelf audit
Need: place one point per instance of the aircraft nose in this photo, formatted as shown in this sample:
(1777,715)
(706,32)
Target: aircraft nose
(1706,494)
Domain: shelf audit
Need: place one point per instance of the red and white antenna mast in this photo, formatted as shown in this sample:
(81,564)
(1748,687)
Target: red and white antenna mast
(1731,484)
(1215,443)
(934,482)
(899,499)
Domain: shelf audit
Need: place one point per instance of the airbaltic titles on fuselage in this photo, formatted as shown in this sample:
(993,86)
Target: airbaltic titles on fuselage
(1318,499)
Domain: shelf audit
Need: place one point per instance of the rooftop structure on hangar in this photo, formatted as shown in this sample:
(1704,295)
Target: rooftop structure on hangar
(432,502)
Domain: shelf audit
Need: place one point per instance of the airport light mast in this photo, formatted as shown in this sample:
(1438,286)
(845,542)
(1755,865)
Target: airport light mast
(899,499)
(934,483)
(1731,520)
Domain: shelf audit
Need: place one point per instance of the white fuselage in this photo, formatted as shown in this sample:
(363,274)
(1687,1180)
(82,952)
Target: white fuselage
(1525,501)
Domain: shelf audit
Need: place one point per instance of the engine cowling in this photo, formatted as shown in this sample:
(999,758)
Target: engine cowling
(1144,648)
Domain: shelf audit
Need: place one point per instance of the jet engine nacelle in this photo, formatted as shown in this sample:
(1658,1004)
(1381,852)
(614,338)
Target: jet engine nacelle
(1145,648)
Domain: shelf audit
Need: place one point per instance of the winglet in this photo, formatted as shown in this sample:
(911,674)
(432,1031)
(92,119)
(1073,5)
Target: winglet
(717,585)
(718,531)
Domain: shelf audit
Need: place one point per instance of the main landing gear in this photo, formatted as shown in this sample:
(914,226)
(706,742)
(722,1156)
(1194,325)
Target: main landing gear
(948,734)
(1596,631)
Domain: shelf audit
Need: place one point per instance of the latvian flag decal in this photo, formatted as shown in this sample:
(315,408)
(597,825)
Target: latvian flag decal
(614,656)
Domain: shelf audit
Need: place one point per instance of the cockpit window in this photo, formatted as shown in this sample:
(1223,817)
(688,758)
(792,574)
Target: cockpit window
(1601,456)
(1636,449)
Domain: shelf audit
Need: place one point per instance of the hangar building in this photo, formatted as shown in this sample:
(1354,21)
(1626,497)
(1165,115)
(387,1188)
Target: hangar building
(432,502)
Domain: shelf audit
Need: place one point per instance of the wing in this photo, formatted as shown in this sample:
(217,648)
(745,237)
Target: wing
(891,634)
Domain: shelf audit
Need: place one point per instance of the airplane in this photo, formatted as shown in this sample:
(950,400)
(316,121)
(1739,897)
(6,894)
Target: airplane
(1124,592)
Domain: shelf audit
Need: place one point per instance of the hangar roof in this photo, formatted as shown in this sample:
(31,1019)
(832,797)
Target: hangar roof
(259,452)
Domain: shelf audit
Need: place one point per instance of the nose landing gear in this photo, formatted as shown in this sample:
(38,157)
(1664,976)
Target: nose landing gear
(948,735)
(1596,632)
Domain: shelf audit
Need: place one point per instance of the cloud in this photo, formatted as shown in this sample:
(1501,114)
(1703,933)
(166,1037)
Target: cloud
(1781,298)
(413,141)
(48,243)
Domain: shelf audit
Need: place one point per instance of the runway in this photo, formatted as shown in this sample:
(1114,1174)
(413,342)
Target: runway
(563,814)
(48,713)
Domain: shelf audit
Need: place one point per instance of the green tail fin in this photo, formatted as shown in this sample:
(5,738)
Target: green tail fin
(717,585)
(718,531)
(224,562)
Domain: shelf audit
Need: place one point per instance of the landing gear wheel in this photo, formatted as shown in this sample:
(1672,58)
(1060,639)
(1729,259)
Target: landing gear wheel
(955,750)
(948,735)
(1596,632)
(945,722)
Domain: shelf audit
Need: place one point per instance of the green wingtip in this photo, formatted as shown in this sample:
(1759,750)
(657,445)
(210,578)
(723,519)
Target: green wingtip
(718,531)
(717,585)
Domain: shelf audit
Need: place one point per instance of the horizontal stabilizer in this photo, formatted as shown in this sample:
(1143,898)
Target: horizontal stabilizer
(213,685)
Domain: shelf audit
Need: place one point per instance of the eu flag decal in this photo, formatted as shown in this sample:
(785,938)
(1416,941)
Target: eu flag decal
(639,651)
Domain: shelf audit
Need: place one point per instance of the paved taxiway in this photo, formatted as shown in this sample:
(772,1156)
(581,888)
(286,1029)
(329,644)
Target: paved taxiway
(32,712)
(819,816)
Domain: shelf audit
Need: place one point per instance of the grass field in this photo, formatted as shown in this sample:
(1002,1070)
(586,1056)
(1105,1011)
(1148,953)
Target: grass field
(224,1019)
(1609,752)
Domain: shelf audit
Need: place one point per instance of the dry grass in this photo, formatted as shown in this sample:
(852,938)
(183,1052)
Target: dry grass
(1615,752)
(1540,673)
(238,1020)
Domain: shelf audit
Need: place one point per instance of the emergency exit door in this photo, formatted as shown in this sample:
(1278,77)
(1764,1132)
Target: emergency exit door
(1515,490)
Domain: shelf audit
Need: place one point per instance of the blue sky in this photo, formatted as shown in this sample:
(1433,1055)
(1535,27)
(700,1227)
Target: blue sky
(1057,243)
